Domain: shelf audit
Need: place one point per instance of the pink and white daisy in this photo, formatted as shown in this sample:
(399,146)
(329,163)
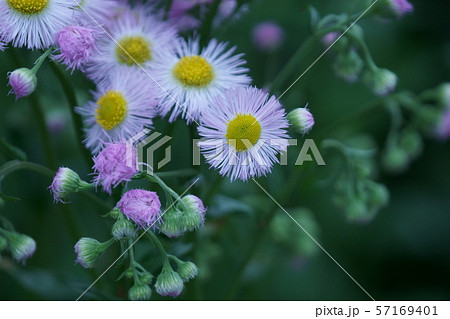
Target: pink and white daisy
(119,110)
(243,133)
(135,42)
(34,23)
(191,77)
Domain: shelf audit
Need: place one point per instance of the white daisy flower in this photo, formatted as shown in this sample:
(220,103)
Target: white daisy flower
(34,23)
(134,42)
(191,77)
(120,110)
(243,133)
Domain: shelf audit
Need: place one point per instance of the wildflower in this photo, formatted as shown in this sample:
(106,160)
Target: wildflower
(329,38)
(141,206)
(89,250)
(23,82)
(21,246)
(119,110)
(34,23)
(76,46)
(133,44)
(193,212)
(393,8)
(243,133)
(192,78)
(268,36)
(139,292)
(169,283)
(115,164)
(301,119)
(66,182)
(380,81)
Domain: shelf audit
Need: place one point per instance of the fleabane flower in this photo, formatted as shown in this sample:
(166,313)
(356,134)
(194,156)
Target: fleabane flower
(192,77)
(135,42)
(34,23)
(119,110)
(141,206)
(76,46)
(193,212)
(66,182)
(380,81)
(243,132)
(96,12)
(23,82)
(115,164)
(169,283)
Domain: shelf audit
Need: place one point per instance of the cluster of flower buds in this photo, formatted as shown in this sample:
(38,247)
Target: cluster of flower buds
(20,246)
(355,191)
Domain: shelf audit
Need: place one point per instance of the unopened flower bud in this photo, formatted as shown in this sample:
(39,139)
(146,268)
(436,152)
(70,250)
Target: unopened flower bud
(172,223)
(411,142)
(169,283)
(23,82)
(380,81)
(66,182)
(396,160)
(89,250)
(348,65)
(379,194)
(357,210)
(443,95)
(187,270)
(193,212)
(301,120)
(139,292)
(146,278)
(21,246)
(391,9)
(123,229)
(268,36)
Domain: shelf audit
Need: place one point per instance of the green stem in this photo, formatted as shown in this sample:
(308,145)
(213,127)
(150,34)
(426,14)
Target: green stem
(155,241)
(366,52)
(41,60)
(178,173)
(76,118)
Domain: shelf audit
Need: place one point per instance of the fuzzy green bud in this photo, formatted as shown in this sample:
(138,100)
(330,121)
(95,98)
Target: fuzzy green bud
(89,250)
(139,292)
(301,120)
(348,65)
(23,82)
(395,160)
(66,182)
(123,229)
(379,194)
(380,81)
(193,212)
(187,270)
(21,246)
(169,283)
(146,278)
(411,142)
(172,225)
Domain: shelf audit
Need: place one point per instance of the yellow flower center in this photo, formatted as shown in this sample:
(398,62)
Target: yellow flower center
(193,71)
(111,110)
(133,50)
(27,6)
(243,131)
